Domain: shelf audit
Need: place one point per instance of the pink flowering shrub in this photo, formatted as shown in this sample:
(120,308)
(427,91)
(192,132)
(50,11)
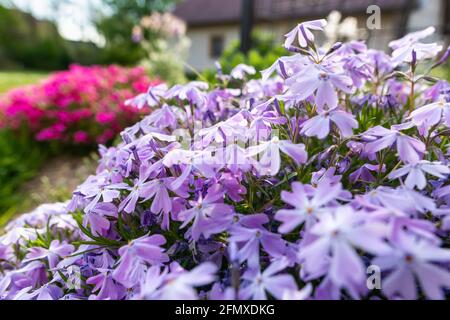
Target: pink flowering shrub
(326,179)
(84,105)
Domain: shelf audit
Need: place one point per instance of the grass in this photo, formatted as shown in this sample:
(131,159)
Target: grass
(13,79)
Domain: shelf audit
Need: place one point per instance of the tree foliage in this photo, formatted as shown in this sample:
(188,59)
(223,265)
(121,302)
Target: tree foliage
(116,22)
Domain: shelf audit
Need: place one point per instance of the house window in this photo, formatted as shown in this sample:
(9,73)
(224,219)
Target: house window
(216,45)
(446,17)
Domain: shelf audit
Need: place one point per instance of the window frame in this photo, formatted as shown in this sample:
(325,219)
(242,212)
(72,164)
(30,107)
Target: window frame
(212,39)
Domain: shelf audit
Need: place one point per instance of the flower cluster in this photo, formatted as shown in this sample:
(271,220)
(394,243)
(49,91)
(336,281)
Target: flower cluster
(165,24)
(289,187)
(84,105)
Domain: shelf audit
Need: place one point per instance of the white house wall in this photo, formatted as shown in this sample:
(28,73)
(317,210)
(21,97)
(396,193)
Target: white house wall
(199,53)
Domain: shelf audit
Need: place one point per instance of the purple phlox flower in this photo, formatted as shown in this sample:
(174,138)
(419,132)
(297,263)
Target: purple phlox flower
(351,48)
(232,186)
(96,192)
(241,70)
(359,69)
(423,229)
(270,160)
(212,251)
(404,47)
(97,217)
(164,117)
(412,259)
(307,208)
(39,217)
(446,223)
(364,173)
(208,214)
(74,258)
(150,137)
(443,59)
(190,161)
(224,132)
(135,255)
(236,159)
(269,281)
(217,103)
(18,235)
(56,251)
(433,93)
(31,275)
(319,125)
(416,173)
(320,80)
(401,201)
(441,192)
(381,61)
(63,221)
(286,66)
(410,150)
(178,284)
(251,238)
(261,125)
(325,174)
(411,38)
(140,187)
(158,190)
(260,89)
(105,287)
(219,293)
(302,294)
(5,252)
(431,114)
(192,92)
(303,32)
(333,250)
(46,292)
(152,98)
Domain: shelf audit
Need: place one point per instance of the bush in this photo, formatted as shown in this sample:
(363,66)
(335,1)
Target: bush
(19,161)
(81,106)
(293,187)
(265,51)
(29,43)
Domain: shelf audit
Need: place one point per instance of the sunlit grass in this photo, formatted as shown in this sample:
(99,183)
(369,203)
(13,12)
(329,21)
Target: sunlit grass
(13,79)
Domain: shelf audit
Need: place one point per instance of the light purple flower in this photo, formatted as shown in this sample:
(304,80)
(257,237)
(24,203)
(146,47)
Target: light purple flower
(431,114)
(410,150)
(56,251)
(416,173)
(209,215)
(133,257)
(404,47)
(241,70)
(270,160)
(176,284)
(307,207)
(151,98)
(412,259)
(254,235)
(364,173)
(320,80)
(105,287)
(303,32)
(333,251)
(269,281)
(319,125)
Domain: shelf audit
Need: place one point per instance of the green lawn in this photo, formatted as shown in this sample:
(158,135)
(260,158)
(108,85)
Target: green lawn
(13,79)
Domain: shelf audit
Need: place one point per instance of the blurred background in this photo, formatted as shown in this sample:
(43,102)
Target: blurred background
(68,66)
